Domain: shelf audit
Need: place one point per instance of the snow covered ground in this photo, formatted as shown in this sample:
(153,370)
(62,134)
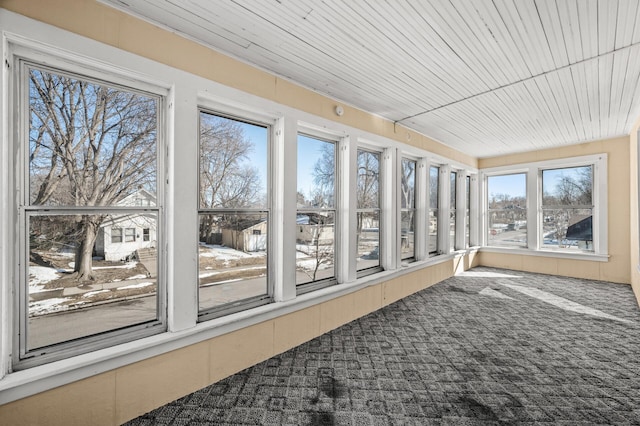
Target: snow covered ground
(41,275)
(226,253)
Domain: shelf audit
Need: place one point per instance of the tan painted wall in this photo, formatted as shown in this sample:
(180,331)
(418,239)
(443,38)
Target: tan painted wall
(634,249)
(127,392)
(618,268)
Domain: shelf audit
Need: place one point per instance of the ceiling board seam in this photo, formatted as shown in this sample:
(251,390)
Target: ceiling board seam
(533,77)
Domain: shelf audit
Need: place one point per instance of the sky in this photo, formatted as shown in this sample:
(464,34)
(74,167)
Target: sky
(515,184)
(308,153)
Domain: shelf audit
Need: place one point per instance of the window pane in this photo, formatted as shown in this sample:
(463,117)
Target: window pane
(567,187)
(368,180)
(507,210)
(434,189)
(407,248)
(568,228)
(567,203)
(89,144)
(233,163)
(63,247)
(467,221)
(408,184)
(116,235)
(434,185)
(232,259)
(129,235)
(316,172)
(433,231)
(452,211)
(368,240)
(315,246)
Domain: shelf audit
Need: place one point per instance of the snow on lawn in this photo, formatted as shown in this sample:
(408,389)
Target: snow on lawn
(128,265)
(39,275)
(93,293)
(245,268)
(48,305)
(208,274)
(226,253)
(310,264)
(137,277)
(136,285)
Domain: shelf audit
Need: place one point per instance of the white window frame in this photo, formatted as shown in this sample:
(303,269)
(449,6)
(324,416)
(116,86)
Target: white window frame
(340,251)
(438,251)
(400,209)
(533,172)
(240,114)
(23,55)
(381,240)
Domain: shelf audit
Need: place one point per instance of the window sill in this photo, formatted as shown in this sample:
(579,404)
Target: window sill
(548,253)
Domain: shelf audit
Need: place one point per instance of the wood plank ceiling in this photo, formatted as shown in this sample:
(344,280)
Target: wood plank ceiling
(486,77)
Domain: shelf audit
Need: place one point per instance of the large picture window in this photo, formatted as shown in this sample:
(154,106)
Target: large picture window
(567,208)
(368,211)
(507,210)
(316,212)
(233,215)
(407,209)
(92,148)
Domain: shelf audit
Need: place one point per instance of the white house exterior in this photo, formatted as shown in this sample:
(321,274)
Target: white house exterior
(120,236)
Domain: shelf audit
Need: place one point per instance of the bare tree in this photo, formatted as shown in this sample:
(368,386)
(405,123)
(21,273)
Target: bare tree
(324,176)
(226,180)
(321,248)
(90,145)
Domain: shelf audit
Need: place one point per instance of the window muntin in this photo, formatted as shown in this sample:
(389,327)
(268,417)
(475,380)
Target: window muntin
(316,211)
(92,148)
(407,209)
(452,210)
(233,204)
(507,210)
(434,199)
(368,210)
(567,208)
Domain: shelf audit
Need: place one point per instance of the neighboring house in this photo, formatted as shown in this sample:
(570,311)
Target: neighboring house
(312,230)
(248,239)
(120,236)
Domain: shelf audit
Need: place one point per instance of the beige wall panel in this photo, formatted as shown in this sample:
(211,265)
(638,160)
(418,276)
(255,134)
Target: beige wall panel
(542,265)
(634,213)
(240,349)
(606,145)
(145,385)
(86,402)
(296,328)
(579,269)
(501,260)
(396,289)
(368,300)
(472,260)
(337,312)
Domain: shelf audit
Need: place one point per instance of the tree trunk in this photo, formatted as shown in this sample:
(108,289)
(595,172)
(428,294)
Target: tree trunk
(84,254)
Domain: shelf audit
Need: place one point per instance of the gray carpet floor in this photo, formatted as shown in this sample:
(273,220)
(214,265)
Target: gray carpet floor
(488,347)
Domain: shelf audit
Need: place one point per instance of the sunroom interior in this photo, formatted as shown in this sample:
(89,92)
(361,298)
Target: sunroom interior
(187,191)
